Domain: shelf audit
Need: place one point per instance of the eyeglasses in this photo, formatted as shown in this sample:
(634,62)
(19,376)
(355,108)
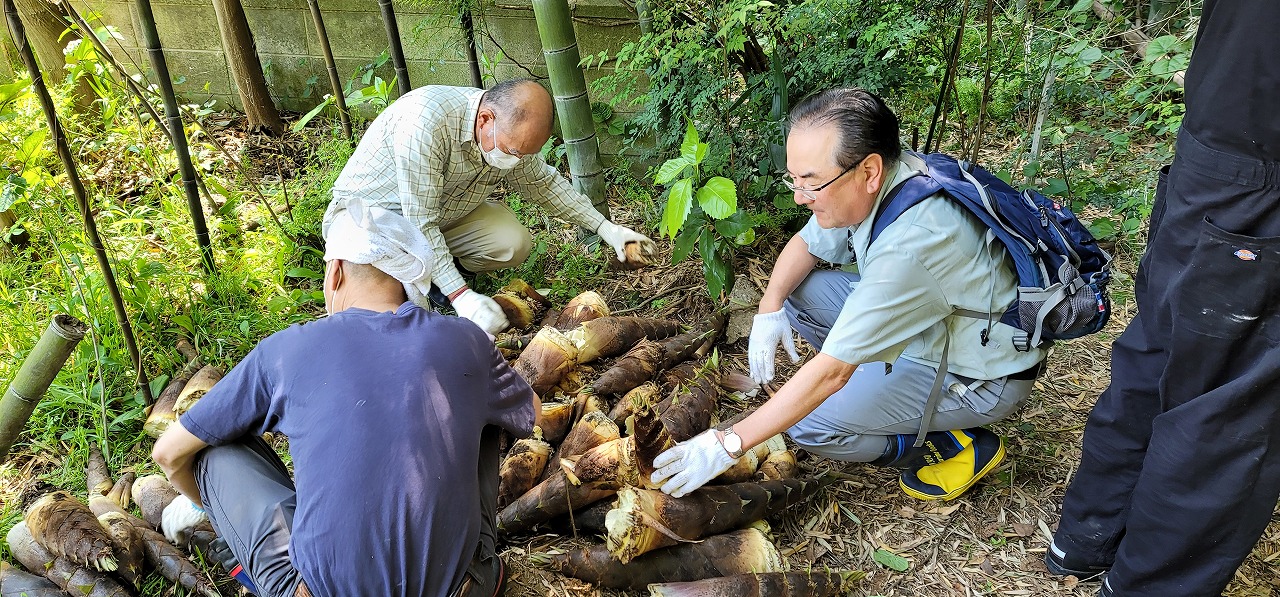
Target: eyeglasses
(812,194)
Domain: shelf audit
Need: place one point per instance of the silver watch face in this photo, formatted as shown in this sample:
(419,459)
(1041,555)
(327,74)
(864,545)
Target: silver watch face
(732,442)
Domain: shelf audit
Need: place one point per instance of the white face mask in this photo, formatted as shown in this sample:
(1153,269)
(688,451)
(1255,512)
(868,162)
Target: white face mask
(496,157)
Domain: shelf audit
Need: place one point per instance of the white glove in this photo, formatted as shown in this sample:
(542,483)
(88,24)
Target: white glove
(618,236)
(767,330)
(690,464)
(179,517)
(481,310)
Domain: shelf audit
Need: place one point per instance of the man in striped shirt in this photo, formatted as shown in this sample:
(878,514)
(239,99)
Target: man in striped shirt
(436,155)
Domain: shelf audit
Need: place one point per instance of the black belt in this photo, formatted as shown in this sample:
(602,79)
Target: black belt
(1029,374)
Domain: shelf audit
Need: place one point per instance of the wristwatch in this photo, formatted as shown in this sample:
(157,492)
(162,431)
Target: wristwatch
(732,443)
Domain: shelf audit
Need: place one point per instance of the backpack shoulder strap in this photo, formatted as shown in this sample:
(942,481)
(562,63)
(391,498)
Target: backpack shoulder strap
(900,198)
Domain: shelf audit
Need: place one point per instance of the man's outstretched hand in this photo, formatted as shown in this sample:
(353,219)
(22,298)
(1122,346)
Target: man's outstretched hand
(481,310)
(690,464)
(617,237)
(179,517)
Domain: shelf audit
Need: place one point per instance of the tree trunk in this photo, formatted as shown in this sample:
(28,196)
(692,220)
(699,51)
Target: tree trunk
(32,381)
(473,60)
(246,69)
(7,220)
(47,33)
(1046,103)
(573,107)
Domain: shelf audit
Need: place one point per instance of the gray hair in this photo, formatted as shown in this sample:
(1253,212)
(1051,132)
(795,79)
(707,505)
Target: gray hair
(864,122)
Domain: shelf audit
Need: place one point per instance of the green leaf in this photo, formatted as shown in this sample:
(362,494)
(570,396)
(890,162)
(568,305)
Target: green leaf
(309,116)
(679,200)
(684,244)
(891,560)
(671,168)
(1082,5)
(734,225)
(715,269)
(15,188)
(700,153)
(719,197)
(1102,228)
(1160,46)
(745,238)
(784,200)
(302,272)
(1056,186)
(689,148)
(1088,56)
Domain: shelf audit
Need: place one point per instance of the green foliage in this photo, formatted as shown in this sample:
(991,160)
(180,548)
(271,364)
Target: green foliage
(707,217)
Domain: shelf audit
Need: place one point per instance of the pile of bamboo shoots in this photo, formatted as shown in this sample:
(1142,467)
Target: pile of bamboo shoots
(588,466)
(188,385)
(99,549)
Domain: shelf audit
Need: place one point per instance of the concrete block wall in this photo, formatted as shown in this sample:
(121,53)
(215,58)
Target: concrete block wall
(293,61)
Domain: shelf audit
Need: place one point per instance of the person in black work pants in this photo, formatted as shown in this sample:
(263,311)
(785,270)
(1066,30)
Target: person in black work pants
(1181,466)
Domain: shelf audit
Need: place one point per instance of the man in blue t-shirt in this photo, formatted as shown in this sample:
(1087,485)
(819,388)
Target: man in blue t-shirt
(392,414)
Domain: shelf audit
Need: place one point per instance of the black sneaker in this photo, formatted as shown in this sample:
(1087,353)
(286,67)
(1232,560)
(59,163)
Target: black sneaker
(1061,563)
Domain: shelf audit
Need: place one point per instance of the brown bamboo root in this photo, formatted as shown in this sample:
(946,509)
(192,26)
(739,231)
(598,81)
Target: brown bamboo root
(682,347)
(551,498)
(643,396)
(687,413)
(520,303)
(778,466)
(650,438)
(168,560)
(63,525)
(161,414)
(745,468)
(594,429)
(70,576)
(200,383)
(547,359)
(96,474)
(587,401)
(739,552)
(153,493)
(770,584)
(611,336)
(122,492)
(554,419)
(571,383)
(127,546)
(630,370)
(16,583)
(522,467)
(582,308)
(644,519)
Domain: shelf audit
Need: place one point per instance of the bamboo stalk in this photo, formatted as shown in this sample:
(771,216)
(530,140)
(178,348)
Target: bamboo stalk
(335,83)
(467,19)
(397,48)
(40,366)
(77,189)
(573,107)
(941,105)
(177,134)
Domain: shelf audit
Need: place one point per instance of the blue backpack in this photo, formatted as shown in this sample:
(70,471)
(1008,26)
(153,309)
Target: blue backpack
(1062,272)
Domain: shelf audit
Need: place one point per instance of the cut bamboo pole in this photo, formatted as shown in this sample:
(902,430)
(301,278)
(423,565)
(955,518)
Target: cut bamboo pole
(573,107)
(178,135)
(335,83)
(468,22)
(397,48)
(40,366)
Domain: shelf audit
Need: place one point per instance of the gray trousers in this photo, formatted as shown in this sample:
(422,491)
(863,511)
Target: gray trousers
(250,499)
(881,401)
